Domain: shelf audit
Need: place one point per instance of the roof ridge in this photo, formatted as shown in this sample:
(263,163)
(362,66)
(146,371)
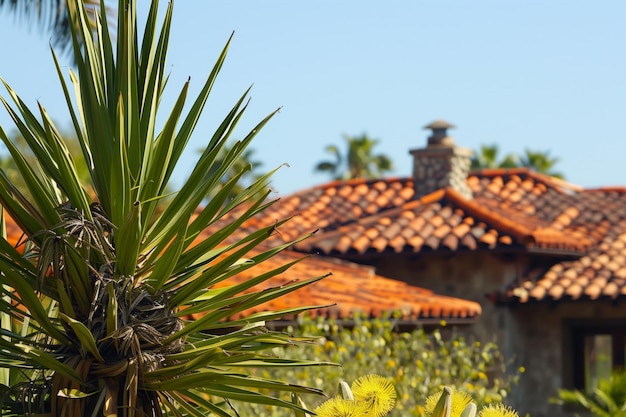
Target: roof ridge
(614,188)
(540,236)
(427,199)
(521,233)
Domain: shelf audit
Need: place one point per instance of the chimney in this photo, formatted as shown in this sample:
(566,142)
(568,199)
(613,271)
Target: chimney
(441,163)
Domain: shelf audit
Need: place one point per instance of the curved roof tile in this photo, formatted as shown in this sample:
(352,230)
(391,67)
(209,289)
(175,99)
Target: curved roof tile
(512,209)
(349,289)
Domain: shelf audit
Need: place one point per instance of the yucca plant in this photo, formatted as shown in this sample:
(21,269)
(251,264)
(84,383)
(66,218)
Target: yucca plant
(93,295)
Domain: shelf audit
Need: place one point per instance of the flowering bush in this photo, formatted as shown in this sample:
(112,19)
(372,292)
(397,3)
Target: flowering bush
(417,363)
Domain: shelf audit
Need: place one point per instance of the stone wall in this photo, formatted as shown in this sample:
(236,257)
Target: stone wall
(529,335)
(538,340)
(465,275)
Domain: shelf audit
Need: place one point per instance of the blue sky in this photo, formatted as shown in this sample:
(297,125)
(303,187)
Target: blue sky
(543,75)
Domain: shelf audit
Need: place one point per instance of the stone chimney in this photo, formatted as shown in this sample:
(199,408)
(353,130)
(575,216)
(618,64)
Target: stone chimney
(441,164)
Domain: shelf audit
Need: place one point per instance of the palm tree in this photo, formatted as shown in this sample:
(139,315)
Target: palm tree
(50,15)
(91,300)
(540,162)
(488,157)
(357,162)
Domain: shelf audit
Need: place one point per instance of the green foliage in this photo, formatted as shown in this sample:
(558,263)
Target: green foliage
(541,162)
(50,15)
(418,364)
(607,400)
(245,168)
(357,162)
(8,166)
(488,157)
(91,302)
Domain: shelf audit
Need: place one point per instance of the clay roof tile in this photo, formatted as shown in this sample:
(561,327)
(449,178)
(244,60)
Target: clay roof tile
(574,291)
(469,242)
(361,244)
(442,231)
(611,290)
(380,244)
(451,242)
(556,292)
(593,291)
(584,231)
(416,242)
(538,293)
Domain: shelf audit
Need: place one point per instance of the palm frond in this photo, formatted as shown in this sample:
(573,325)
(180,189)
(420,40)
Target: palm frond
(50,16)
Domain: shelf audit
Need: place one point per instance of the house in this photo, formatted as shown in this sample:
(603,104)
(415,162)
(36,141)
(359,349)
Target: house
(532,262)
(546,260)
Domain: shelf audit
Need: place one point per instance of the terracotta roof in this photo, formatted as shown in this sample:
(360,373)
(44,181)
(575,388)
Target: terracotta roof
(348,289)
(14,234)
(512,210)
(601,273)
(351,288)
(583,231)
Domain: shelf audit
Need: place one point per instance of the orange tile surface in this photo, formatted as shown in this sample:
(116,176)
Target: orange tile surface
(512,210)
(347,289)
(351,289)
(582,231)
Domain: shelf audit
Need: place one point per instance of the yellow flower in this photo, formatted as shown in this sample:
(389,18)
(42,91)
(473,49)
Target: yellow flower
(339,407)
(390,364)
(376,393)
(459,401)
(497,410)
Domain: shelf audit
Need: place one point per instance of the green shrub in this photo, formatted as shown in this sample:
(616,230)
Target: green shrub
(418,363)
(608,399)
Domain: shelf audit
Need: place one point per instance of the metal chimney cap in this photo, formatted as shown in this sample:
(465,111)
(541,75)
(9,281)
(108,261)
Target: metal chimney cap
(439,137)
(439,124)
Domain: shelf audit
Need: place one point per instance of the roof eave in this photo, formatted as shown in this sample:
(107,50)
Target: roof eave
(560,253)
(422,322)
